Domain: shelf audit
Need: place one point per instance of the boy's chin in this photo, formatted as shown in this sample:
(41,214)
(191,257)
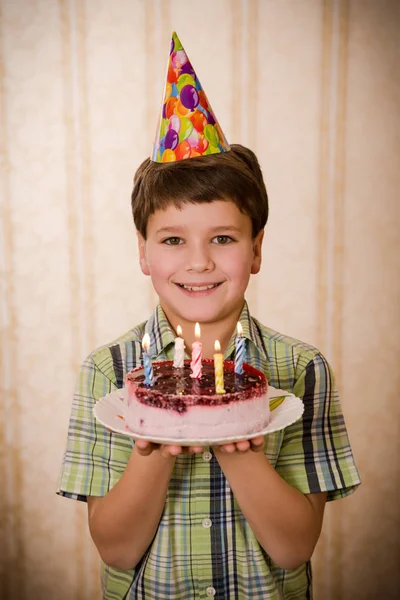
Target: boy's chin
(191,314)
(202,315)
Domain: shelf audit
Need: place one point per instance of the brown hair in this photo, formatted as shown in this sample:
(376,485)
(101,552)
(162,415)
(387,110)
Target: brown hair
(234,175)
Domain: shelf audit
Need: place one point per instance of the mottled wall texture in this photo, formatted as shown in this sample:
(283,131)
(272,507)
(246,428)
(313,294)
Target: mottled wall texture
(313,87)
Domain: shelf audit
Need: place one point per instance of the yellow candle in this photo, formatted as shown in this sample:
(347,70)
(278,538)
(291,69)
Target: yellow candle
(219,368)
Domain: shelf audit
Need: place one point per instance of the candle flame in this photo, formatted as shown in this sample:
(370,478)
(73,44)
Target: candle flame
(197,331)
(179,330)
(217,346)
(146,342)
(239,328)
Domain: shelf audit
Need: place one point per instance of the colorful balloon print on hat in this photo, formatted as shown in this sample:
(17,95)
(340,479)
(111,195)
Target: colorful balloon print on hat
(187,126)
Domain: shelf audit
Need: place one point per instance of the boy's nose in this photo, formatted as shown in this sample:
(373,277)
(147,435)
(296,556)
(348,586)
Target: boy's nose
(200,260)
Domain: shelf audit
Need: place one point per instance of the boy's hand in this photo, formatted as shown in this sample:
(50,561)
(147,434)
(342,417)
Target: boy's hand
(255,445)
(145,448)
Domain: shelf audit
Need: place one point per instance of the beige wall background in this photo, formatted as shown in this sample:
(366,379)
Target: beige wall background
(313,87)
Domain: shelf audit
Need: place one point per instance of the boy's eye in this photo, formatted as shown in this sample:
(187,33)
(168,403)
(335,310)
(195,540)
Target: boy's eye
(173,241)
(223,239)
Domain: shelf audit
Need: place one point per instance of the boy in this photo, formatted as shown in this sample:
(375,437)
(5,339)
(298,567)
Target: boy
(236,521)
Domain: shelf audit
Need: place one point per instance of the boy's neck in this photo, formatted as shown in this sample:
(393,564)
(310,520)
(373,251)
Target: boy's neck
(221,331)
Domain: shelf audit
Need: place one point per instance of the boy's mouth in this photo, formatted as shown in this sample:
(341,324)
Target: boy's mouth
(198,288)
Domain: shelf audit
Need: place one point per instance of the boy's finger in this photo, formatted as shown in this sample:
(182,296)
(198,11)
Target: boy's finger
(257,444)
(243,445)
(228,448)
(171,450)
(195,449)
(144,448)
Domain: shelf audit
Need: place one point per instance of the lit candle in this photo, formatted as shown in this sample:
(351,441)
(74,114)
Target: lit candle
(197,347)
(219,368)
(179,351)
(240,350)
(148,367)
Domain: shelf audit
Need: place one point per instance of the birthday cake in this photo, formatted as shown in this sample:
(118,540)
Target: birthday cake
(177,406)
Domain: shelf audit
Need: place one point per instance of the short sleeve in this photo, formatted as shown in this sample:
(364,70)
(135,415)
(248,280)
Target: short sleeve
(95,458)
(315,455)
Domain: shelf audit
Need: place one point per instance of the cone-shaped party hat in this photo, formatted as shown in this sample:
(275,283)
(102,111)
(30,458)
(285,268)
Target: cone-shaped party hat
(187,125)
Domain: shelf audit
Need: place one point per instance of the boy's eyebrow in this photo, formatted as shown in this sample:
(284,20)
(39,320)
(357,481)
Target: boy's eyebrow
(178,228)
(226,228)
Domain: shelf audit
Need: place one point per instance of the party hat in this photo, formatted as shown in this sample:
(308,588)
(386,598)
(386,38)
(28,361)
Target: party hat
(187,125)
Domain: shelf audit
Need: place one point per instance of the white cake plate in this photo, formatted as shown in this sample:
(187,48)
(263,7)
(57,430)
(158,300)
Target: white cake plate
(286,409)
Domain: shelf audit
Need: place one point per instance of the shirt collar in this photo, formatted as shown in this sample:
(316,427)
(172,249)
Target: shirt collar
(250,332)
(162,334)
(160,331)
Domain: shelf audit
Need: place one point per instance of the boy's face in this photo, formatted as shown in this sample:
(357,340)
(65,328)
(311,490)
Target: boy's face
(200,258)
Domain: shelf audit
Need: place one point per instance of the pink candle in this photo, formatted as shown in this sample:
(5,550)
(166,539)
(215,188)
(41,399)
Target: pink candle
(197,347)
(179,350)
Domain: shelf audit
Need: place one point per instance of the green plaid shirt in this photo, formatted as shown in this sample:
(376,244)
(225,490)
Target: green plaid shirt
(204,546)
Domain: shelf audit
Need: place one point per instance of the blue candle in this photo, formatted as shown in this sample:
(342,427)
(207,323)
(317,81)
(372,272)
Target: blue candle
(148,367)
(240,350)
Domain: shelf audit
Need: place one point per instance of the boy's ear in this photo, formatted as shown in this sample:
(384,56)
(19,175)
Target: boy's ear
(142,254)
(257,254)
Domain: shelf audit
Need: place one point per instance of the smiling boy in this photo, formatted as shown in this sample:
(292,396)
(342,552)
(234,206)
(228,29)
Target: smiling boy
(236,521)
(200,258)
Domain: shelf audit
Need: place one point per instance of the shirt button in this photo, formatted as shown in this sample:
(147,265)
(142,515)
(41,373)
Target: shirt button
(210,591)
(207,456)
(206,523)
